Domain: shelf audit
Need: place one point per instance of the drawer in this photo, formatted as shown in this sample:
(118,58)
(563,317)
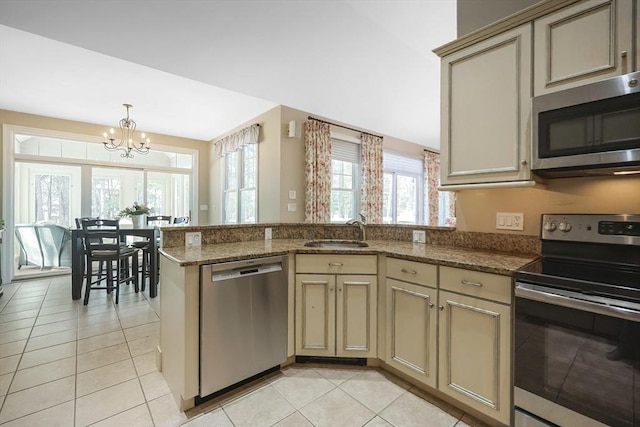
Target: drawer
(475,283)
(337,264)
(412,271)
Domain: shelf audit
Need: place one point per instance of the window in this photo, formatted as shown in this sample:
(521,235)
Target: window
(240,185)
(345,180)
(403,189)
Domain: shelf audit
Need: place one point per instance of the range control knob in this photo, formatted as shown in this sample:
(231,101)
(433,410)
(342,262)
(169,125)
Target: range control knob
(564,227)
(550,226)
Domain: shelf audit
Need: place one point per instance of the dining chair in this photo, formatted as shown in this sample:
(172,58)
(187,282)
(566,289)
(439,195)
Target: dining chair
(102,273)
(84,218)
(146,249)
(102,244)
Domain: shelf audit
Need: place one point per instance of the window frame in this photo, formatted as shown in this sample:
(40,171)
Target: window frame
(420,190)
(240,184)
(356,189)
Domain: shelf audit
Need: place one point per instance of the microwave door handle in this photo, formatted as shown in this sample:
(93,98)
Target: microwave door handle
(578,304)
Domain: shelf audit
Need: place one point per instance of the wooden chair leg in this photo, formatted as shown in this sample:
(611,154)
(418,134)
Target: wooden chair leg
(88,279)
(134,273)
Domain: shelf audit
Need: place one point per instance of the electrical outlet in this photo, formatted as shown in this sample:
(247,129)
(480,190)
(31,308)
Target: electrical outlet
(267,234)
(419,236)
(509,221)
(193,238)
(291,207)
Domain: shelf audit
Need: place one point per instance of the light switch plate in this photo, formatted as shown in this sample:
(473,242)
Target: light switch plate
(193,238)
(292,194)
(509,221)
(419,236)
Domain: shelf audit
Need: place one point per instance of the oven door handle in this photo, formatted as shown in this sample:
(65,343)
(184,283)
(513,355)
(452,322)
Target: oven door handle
(526,291)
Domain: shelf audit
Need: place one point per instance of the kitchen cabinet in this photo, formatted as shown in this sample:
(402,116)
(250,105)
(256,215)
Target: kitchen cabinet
(583,43)
(485,111)
(336,305)
(412,319)
(475,340)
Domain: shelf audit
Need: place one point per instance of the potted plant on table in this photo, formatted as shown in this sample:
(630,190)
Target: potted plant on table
(137,212)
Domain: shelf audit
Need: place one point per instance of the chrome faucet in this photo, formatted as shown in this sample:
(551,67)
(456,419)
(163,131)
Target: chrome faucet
(361,224)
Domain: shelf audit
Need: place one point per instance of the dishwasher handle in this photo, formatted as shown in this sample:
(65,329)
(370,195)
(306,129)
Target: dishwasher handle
(254,270)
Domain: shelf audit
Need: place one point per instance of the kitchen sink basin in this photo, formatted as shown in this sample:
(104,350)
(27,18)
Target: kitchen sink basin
(337,244)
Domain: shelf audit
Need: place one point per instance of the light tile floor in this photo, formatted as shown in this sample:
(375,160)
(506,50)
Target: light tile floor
(66,364)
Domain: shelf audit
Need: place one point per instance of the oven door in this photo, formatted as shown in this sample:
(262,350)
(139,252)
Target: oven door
(576,358)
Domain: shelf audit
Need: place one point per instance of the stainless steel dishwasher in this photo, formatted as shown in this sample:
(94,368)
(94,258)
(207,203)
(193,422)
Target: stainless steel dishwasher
(243,320)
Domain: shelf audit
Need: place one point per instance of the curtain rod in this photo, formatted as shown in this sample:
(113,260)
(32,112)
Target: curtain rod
(431,151)
(344,127)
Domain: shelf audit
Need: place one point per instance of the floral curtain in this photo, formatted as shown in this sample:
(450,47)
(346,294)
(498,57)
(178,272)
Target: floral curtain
(317,160)
(372,177)
(434,197)
(237,140)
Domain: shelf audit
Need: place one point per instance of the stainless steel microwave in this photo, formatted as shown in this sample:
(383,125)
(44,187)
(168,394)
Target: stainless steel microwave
(588,130)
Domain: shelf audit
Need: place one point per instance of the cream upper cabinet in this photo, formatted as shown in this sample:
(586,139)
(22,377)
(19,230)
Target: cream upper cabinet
(485,110)
(586,42)
(475,341)
(336,314)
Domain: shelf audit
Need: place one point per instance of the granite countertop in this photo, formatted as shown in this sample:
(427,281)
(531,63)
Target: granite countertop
(473,259)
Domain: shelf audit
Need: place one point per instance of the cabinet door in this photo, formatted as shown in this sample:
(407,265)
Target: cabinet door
(475,357)
(356,315)
(583,43)
(485,114)
(315,315)
(411,330)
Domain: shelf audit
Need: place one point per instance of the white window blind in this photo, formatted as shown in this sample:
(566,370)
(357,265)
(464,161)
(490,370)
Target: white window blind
(394,162)
(345,151)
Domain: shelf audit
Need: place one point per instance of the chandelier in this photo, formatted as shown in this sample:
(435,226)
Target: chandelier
(127,142)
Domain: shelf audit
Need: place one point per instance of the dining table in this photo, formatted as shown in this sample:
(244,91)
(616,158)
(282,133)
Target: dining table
(150,232)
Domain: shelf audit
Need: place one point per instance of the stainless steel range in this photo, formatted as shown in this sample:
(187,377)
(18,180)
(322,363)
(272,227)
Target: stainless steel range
(577,324)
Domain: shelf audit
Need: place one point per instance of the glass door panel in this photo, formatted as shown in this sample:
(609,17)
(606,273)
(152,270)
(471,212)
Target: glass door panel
(47,200)
(168,193)
(46,193)
(112,189)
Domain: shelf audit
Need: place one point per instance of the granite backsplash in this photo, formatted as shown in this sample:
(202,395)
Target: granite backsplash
(174,236)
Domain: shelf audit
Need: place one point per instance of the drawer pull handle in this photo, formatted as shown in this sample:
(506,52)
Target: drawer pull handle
(408,271)
(335,264)
(466,282)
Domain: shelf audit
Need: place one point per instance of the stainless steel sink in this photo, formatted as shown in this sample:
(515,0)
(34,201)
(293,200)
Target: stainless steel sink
(337,244)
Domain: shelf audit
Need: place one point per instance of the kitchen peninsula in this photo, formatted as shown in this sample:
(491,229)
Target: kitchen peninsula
(448,256)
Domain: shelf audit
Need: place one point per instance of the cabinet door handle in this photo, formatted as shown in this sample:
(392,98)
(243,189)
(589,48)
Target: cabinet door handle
(431,305)
(441,307)
(408,271)
(466,282)
(335,264)
(331,289)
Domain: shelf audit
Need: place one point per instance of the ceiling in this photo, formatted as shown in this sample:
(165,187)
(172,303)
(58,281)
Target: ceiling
(197,69)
